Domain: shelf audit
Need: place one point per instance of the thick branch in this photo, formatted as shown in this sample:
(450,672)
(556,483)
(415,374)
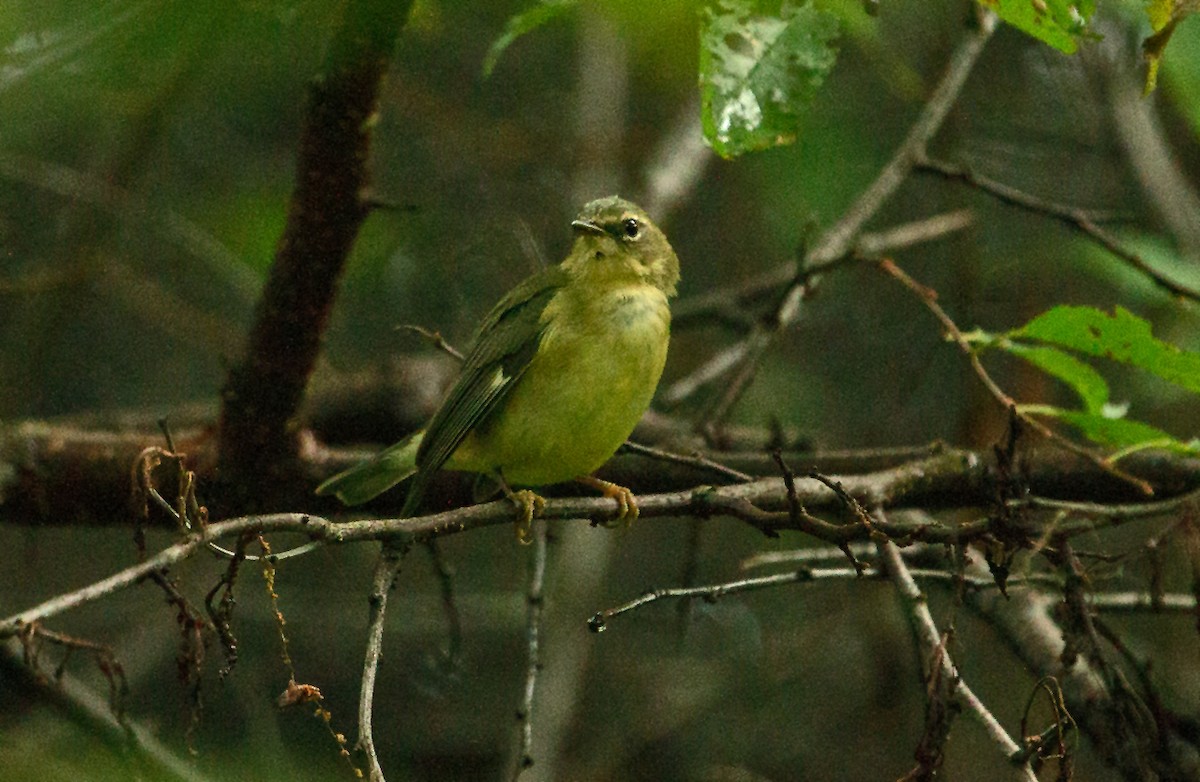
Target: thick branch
(46,469)
(953,479)
(263,392)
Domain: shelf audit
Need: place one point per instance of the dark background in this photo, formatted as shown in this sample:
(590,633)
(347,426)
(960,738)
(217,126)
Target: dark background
(146,159)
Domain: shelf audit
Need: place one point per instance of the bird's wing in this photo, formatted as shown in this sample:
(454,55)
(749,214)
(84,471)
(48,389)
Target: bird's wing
(504,345)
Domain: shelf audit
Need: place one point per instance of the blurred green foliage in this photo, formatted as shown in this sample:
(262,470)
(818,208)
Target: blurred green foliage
(146,155)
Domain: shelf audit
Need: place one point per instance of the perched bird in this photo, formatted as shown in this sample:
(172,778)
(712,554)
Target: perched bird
(559,373)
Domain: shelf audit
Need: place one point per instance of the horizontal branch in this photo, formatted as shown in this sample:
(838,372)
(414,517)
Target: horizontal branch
(46,468)
(950,479)
(1142,602)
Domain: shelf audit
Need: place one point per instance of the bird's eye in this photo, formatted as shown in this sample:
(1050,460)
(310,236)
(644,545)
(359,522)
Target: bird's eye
(632,228)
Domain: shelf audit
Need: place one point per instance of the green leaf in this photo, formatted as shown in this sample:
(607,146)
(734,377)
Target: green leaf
(1116,432)
(1165,16)
(1120,336)
(1059,23)
(759,72)
(1086,382)
(519,24)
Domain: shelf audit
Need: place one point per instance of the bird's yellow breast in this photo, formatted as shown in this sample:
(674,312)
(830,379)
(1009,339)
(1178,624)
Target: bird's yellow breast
(592,378)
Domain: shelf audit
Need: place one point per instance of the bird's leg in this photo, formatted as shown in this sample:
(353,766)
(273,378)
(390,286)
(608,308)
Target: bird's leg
(529,505)
(626,503)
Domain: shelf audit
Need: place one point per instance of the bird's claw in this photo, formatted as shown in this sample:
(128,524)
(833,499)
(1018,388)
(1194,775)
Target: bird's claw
(529,507)
(627,506)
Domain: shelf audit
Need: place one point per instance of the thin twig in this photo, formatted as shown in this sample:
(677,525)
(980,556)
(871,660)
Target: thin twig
(904,235)
(695,460)
(1056,732)
(1129,510)
(386,569)
(731,304)
(445,573)
(711,592)
(1152,155)
(434,338)
(715,368)
(1073,217)
(839,240)
(714,417)
(599,621)
(688,576)
(806,556)
(533,663)
(1142,602)
(144,215)
(928,297)
(930,641)
(1026,623)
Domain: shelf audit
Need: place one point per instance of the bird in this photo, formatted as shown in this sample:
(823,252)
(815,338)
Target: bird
(558,374)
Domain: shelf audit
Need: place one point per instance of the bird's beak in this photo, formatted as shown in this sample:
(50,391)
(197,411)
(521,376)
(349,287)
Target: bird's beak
(587,226)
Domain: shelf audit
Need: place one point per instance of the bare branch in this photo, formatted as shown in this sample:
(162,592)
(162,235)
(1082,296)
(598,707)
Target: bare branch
(933,649)
(732,304)
(1142,602)
(929,298)
(1073,217)
(1025,622)
(806,556)
(694,460)
(801,575)
(719,365)
(1130,510)
(445,574)
(386,569)
(263,393)
(839,240)
(434,338)
(599,621)
(950,479)
(533,662)
(1162,175)
(906,235)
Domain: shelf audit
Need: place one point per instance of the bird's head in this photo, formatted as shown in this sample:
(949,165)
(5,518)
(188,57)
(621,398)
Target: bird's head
(615,240)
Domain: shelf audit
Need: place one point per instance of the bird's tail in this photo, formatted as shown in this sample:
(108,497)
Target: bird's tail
(369,479)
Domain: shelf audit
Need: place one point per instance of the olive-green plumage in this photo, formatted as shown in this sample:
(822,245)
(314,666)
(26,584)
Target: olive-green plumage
(560,370)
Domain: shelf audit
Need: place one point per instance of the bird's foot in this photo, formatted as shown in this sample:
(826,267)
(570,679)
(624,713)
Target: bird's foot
(529,507)
(627,507)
